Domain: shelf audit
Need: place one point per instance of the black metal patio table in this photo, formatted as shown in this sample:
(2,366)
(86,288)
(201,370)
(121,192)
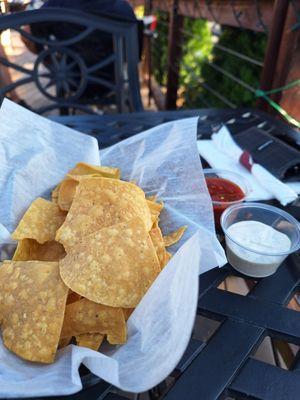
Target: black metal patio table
(222,365)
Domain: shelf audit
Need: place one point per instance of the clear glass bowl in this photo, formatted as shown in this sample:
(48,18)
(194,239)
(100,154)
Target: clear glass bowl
(249,259)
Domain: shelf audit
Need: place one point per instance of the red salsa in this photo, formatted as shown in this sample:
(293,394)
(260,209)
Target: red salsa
(222,192)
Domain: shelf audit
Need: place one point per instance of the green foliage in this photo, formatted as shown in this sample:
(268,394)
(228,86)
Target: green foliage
(198,51)
(160,49)
(197,47)
(245,42)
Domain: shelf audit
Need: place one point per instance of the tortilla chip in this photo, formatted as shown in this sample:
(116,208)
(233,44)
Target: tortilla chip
(154,216)
(127,312)
(72,297)
(155,225)
(159,244)
(32,306)
(68,189)
(99,203)
(40,221)
(152,198)
(174,237)
(30,249)
(90,340)
(168,257)
(155,206)
(54,194)
(85,316)
(155,209)
(87,169)
(114,266)
(63,342)
(66,193)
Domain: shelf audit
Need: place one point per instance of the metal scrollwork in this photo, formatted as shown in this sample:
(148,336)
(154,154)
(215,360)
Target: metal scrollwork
(63,70)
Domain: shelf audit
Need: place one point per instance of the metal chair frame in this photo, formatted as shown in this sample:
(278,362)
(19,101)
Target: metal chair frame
(66,69)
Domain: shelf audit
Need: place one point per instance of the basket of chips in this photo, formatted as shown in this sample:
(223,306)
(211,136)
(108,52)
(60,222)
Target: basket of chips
(101,269)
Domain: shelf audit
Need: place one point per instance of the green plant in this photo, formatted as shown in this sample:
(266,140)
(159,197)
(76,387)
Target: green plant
(249,43)
(160,49)
(198,51)
(197,48)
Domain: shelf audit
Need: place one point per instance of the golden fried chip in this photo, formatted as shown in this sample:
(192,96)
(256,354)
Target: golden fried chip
(90,340)
(66,193)
(87,169)
(54,194)
(85,316)
(68,187)
(72,297)
(155,225)
(30,249)
(159,244)
(152,198)
(40,221)
(155,206)
(113,266)
(155,209)
(99,203)
(127,312)
(168,257)
(63,342)
(79,178)
(32,306)
(174,237)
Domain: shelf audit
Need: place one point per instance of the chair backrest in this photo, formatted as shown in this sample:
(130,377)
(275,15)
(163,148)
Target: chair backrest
(77,71)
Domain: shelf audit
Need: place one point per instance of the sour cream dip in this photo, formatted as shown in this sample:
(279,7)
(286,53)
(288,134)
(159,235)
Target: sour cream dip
(255,249)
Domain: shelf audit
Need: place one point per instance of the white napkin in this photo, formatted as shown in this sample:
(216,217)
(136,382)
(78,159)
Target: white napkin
(38,153)
(223,153)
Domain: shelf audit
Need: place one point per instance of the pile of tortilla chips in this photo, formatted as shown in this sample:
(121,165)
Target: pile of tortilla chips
(83,262)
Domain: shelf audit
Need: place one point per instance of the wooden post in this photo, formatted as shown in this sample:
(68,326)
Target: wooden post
(288,67)
(174,55)
(290,99)
(157,94)
(147,59)
(154,90)
(273,46)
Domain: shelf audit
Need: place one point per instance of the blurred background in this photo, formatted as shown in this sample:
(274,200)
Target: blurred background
(203,54)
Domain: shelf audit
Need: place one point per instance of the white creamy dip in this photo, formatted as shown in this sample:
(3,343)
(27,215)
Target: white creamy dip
(256,237)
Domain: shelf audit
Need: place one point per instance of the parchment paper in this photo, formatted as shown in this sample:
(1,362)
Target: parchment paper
(35,154)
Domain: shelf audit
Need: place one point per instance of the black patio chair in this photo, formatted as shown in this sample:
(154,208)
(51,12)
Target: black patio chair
(77,72)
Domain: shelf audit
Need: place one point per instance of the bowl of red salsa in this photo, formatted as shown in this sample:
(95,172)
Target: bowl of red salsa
(225,188)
